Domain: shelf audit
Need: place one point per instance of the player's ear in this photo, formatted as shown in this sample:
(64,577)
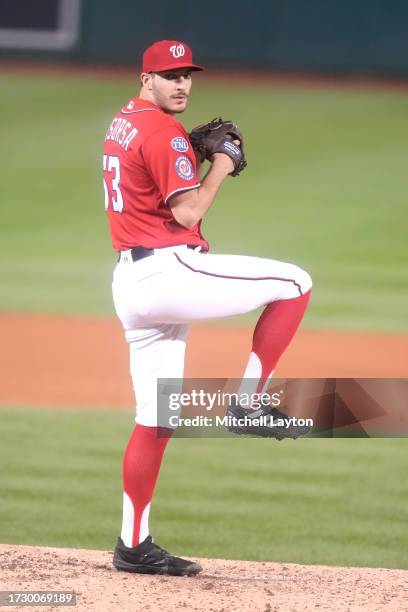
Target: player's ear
(146,80)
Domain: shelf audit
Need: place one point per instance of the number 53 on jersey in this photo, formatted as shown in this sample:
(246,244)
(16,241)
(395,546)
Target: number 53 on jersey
(113,194)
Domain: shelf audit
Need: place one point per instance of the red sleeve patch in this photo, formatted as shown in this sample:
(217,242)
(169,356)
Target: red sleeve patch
(184,168)
(170,160)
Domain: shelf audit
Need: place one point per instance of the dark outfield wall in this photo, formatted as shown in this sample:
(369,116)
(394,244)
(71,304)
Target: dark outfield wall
(366,36)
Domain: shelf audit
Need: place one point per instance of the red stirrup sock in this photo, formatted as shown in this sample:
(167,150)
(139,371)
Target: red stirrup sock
(273,332)
(141,465)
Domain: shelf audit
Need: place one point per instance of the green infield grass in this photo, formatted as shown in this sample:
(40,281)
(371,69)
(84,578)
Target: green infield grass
(318,501)
(326,188)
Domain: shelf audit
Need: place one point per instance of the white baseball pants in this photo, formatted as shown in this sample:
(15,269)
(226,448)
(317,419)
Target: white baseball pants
(157,297)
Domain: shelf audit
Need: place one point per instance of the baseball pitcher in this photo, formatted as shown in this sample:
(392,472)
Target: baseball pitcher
(166,277)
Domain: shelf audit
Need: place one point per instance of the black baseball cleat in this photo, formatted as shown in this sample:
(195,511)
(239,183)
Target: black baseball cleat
(265,421)
(148,558)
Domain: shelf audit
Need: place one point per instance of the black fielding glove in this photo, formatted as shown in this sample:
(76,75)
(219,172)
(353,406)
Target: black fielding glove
(216,137)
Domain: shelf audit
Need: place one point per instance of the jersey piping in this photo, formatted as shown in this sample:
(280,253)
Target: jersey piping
(181,189)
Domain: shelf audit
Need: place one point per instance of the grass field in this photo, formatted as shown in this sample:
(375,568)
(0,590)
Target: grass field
(342,502)
(325,187)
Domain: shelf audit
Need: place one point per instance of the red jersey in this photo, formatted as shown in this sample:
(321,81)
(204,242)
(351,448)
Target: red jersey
(147,158)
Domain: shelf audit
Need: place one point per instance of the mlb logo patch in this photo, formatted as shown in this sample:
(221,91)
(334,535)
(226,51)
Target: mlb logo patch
(184,168)
(179,144)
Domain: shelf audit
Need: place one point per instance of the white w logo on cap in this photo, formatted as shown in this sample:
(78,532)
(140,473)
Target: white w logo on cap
(177,50)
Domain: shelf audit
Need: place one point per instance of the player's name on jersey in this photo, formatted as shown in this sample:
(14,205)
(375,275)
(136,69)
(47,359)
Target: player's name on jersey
(122,132)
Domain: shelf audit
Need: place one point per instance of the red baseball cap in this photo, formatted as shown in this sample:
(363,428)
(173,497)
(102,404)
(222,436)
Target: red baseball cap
(168,54)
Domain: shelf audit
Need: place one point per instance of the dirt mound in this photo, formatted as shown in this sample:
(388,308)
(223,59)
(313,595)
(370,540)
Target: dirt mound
(222,586)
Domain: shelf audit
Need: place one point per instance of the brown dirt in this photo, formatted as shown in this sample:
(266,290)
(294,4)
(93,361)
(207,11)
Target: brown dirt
(79,361)
(247,586)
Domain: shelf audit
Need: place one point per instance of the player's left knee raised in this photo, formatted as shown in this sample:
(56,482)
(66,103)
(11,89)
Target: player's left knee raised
(304,280)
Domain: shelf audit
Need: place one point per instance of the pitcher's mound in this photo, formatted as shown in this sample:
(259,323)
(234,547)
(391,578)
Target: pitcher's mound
(222,586)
